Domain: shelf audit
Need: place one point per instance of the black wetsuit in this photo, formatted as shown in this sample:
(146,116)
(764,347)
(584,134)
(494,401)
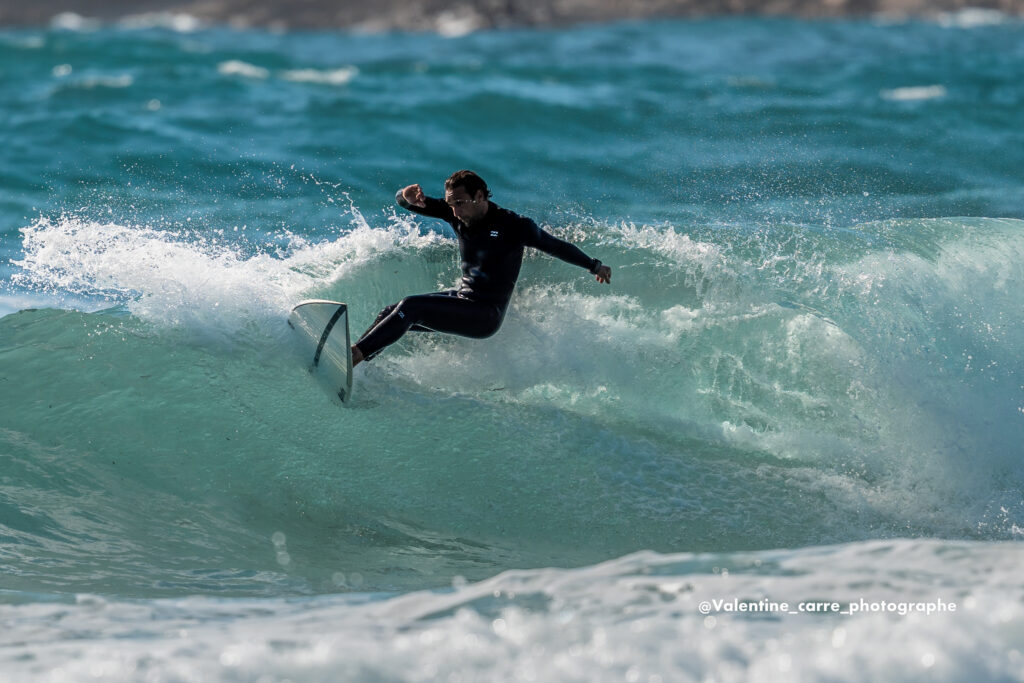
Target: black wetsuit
(492,253)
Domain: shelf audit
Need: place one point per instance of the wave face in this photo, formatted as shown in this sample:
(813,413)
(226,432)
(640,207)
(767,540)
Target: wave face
(734,390)
(807,371)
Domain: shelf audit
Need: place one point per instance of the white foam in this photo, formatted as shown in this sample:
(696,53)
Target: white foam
(972,17)
(180,22)
(914,93)
(340,76)
(938,380)
(114,82)
(25,42)
(69,21)
(682,249)
(236,67)
(458,23)
(200,282)
(644,617)
(173,21)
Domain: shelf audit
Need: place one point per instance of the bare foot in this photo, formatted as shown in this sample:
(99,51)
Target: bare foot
(357,356)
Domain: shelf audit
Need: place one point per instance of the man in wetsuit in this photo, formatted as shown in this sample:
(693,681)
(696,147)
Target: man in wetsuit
(491,243)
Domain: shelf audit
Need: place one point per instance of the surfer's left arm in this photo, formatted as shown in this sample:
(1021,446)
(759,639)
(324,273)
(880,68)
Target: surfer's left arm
(411,198)
(570,253)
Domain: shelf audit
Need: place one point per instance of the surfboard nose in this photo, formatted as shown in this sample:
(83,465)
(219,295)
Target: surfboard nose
(324,335)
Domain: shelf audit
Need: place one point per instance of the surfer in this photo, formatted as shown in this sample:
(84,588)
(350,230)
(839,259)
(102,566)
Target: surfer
(491,243)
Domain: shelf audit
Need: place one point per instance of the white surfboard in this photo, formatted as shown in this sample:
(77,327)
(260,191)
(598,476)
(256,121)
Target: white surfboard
(323,328)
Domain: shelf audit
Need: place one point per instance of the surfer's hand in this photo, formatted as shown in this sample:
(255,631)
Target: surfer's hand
(414,195)
(604,275)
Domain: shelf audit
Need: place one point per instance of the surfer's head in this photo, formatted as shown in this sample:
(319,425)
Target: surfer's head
(467,194)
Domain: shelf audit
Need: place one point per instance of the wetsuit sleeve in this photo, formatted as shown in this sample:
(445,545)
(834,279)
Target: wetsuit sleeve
(435,208)
(549,244)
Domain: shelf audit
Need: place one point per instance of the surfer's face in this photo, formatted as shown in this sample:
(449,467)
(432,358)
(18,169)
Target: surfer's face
(467,209)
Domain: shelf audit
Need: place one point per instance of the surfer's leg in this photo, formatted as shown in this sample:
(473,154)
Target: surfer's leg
(357,350)
(386,311)
(438,312)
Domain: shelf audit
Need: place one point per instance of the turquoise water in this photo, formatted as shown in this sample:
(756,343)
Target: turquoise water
(804,383)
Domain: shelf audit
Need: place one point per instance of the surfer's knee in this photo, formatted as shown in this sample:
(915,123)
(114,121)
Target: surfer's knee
(401,308)
(384,312)
(408,308)
(489,331)
(490,326)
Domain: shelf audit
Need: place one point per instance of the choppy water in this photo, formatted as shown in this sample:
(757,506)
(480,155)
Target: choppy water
(805,382)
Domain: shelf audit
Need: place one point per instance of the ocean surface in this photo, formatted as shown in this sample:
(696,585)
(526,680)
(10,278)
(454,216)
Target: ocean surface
(786,443)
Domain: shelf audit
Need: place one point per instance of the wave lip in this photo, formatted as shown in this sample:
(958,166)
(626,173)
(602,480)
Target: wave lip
(195,279)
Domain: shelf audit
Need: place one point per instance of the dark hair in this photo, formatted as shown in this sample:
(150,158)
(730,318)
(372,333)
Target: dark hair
(469,181)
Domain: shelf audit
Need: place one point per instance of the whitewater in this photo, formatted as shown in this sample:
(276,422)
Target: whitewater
(784,444)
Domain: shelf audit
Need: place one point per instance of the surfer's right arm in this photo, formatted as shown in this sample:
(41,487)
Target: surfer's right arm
(412,199)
